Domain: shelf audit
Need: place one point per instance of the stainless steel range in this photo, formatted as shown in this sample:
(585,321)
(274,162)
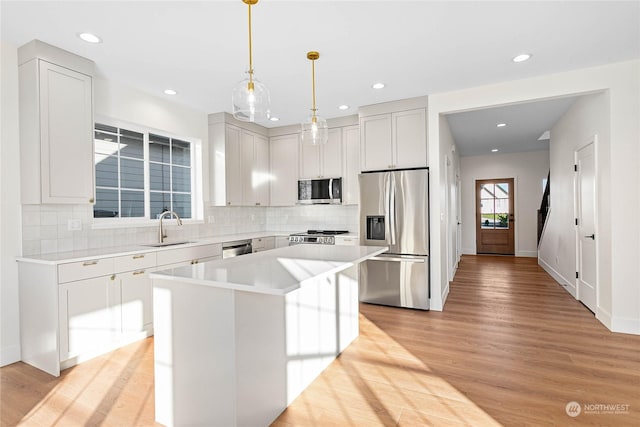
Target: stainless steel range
(319,237)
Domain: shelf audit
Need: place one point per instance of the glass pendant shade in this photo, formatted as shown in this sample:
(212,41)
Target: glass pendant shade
(315,131)
(250,101)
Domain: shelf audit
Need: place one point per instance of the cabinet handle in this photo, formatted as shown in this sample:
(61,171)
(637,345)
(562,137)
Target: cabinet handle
(194,261)
(138,256)
(139,272)
(92,200)
(229,203)
(257,203)
(113,277)
(88,263)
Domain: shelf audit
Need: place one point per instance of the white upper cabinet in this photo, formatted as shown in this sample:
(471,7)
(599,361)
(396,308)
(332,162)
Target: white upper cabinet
(351,157)
(324,160)
(233,165)
(410,138)
(377,148)
(394,135)
(238,163)
(56,126)
(283,152)
(255,165)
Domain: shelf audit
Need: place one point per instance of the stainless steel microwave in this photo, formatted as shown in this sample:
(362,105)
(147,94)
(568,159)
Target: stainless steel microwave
(320,191)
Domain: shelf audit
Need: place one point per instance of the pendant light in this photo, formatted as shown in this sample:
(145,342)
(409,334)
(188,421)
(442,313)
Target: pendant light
(250,99)
(315,130)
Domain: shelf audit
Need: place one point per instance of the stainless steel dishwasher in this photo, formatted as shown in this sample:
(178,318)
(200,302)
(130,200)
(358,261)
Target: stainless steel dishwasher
(235,248)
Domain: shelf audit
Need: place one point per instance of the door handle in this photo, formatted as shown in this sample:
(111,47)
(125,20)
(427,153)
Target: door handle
(592,237)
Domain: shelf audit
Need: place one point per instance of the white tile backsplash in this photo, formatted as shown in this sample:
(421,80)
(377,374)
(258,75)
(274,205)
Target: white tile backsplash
(44,227)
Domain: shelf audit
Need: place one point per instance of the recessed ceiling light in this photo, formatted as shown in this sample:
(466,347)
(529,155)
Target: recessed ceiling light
(501,125)
(170,92)
(378,85)
(521,58)
(274,119)
(90,38)
(343,107)
(495,150)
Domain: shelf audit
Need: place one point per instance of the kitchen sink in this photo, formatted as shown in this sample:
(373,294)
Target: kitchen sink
(162,245)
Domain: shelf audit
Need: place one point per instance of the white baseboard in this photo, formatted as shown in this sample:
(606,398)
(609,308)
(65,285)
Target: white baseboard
(9,354)
(567,285)
(468,251)
(625,325)
(604,317)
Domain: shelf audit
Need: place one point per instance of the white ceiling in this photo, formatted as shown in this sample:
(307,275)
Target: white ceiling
(416,48)
(476,132)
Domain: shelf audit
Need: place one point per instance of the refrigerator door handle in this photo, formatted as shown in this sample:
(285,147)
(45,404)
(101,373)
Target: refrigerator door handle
(398,259)
(392,208)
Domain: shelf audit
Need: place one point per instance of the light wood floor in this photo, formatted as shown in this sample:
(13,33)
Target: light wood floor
(511,348)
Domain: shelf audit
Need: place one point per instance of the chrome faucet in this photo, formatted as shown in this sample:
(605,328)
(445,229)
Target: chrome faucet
(161,233)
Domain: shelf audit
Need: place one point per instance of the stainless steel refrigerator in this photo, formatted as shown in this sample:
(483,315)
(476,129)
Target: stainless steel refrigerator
(394,212)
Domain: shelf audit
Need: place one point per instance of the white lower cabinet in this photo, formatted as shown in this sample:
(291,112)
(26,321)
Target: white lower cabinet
(263,244)
(136,304)
(88,317)
(282,241)
(73,311)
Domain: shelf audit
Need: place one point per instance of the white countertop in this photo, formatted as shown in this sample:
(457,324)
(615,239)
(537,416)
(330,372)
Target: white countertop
(276,272)
(87,254)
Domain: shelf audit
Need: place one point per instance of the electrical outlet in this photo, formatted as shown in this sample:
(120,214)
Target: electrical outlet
(74,225)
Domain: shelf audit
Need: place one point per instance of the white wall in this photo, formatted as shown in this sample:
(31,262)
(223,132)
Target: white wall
(451,174)
(589,116)
(10,238)
(622,83)
(528,170)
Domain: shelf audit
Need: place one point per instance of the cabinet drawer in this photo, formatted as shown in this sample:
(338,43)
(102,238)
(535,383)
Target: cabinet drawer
(347,241)
(85,269)
(135,262)
(186,254)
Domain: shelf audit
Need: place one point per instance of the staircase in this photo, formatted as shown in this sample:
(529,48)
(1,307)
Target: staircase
(544,207)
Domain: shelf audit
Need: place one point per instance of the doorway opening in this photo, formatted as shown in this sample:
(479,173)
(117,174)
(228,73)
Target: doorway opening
(495,219)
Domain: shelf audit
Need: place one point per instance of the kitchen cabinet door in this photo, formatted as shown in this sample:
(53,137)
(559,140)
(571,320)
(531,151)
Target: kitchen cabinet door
(89,317)
(255,169)
(136,304)
(309,161)
(233,163)
(376,142)
(351,150)
(56,127)
(324,160)
(283,154)
(260,173)
(332,155)
(410,139)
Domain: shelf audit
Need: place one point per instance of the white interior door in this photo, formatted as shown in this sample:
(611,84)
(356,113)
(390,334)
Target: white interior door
(587,280)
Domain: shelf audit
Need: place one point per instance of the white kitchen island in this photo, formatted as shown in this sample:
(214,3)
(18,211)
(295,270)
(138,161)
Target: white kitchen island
(237,340)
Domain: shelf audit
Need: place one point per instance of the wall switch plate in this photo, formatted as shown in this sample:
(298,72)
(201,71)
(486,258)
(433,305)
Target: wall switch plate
(211,219)
(74,225)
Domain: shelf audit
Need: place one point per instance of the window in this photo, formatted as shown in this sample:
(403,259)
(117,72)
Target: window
(141,174)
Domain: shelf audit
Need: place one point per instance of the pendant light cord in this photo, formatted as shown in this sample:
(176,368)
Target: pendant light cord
(250,49)
(313,85)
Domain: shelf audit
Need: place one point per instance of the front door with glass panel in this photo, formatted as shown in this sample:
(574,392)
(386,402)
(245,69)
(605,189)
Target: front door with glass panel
(495,217)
